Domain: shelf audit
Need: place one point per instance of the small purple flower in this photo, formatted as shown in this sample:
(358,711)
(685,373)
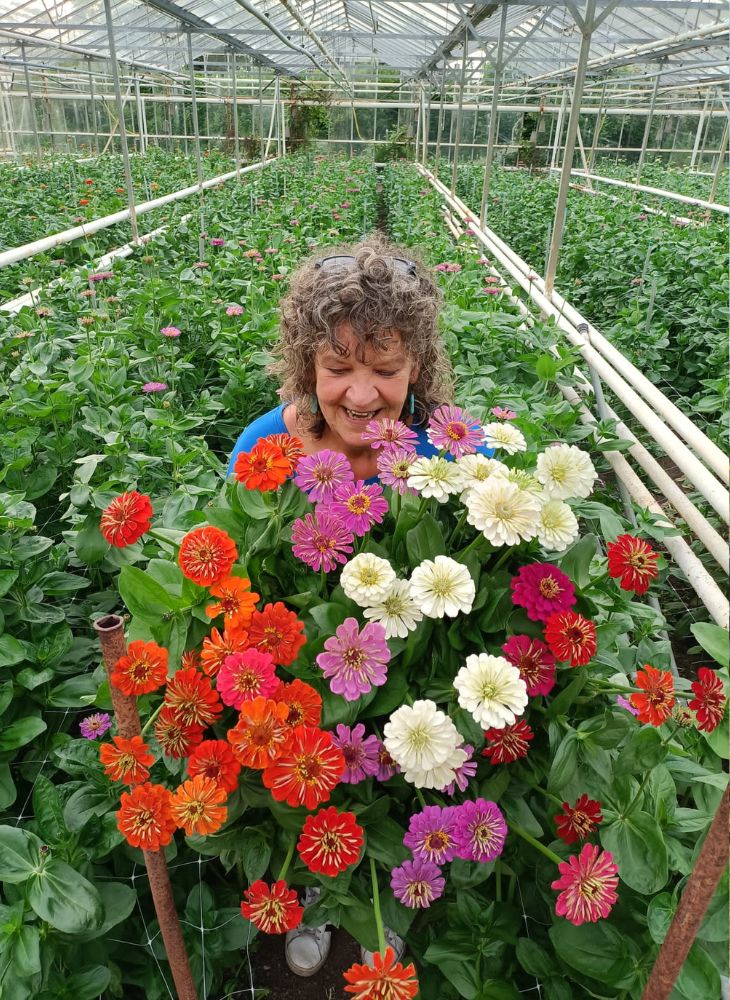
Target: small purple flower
(154,387)
(355,661)
(95,725)
(625,703)
(217,242)
(389,433)
(480,830)
(387,767)
(320,474)
(321,540)
(101,276)
(502,414)
(417,883)
(360,506)
(455,430)
(394,468)
(462,773)
(271,250)
(234,311)
(491,290)
(170,331)
(449,267)
(432,834)
(361,755)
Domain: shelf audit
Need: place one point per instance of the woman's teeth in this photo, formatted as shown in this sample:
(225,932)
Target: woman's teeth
(360,414)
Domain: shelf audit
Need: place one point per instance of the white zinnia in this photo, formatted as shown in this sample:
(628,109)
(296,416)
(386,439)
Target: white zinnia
(504,436)
(397,612)
(435,477)
(367,578)
(442,586)
(565,471)
(477,469)
(420,737)
(502,511)
(491,688)
(557,526)
(441,775)
(525,481)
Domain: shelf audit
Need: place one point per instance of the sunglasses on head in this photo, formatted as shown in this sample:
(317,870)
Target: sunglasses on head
(347,260)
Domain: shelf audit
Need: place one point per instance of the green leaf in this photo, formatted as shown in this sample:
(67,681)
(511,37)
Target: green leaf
(564,762)
(385,842)
(641,751)
(597,950)
(11,651)
(639,850)
(76,692)
(48,810)
(358,921)
(25,949)
(534,959)
(19,854)
(88,985)
(577,560)
(145,598)
(84,803)
(699,978)
(714,640)
(453,963)
(90,544)
(546,367)
(659,916)
(7,579)
(63,897)
(425,541)
(494,989)
(255,851)
(20,732)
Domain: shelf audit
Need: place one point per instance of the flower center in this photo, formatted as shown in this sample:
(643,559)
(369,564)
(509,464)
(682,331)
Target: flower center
(442,584)
(456,430)
(127,762)
(354,658)
(331,842)
(549,587)
(591,888)
(323,543)
(145,819)
(353,755)
(419,890)
(369,576)
(436,841)
(308,769)
(488,690)
(419,738)
(322,474)
(358,503)
(247,680)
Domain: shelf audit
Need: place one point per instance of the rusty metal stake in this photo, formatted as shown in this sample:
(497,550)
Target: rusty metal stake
(698,892)
(110,630)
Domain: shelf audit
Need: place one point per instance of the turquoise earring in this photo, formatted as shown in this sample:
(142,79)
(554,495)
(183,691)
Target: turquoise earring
(411,403)
(313,403)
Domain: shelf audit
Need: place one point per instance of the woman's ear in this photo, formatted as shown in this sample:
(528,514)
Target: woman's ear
(415,372)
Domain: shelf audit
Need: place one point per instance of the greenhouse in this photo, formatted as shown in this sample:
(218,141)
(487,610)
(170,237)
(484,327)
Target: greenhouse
(364,500)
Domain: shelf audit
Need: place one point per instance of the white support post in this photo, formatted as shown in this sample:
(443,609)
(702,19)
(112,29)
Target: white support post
(596,129)
(698,134)
(236,146)
(440,121)
(459,115)
(426,124)
(557,139)
(122,128)
(94,122)
(721,162)
(493,116)
(140,117)
(31,105)
(647,128)
(261,119)
(196,133)
(418,127)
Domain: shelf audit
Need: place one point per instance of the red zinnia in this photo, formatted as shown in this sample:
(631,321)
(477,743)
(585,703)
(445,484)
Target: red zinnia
(214,759)
(126,760)
(196,806)
(142,669)
(304,703)
(385,980)
(126,519)
(190,698)
(260,734)
(578,821)
(655,700)
(145,818)
(176,738)
(263,468)
(307,769)
(507,744)
(273,909)
(571,638)
(190,658)
(235,601)
(206,555)
(534,661)
(709,701)
(217,647)
(278,631)
(634,562)
(330,841)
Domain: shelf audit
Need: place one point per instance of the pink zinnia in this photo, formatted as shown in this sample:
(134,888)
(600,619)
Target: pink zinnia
(387,767)
(542,590)
(245,676)
(394,468)
(320,474)
(501,414)
(149,387)
(416,884)
(480,830)
(455,430)
(321,540)
(170,331)
(534,661)
(355,661)
(588,881)
(462,773)
(387,432)
(360,506)
(432,834)
(491,290)
(234,311)
(361,755)
(101,276)
(217,242)
(95,725)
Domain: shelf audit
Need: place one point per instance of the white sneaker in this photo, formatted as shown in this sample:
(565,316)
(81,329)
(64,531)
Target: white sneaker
(306,948)
(391,938)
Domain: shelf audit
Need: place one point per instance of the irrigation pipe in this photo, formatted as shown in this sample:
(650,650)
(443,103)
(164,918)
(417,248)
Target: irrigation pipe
(659,192)
(681,219)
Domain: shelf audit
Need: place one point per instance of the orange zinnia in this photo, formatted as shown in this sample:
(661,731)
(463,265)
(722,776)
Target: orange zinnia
(292,447)
(196,806)
(386,980)
(263,468)
(190,698)
(217,647)
(303,702)
(126,519)
(260,733)
(656,699)
(236,602)
(145,818)
(143,669)
(306,770)
(214,759)
(206,555)
(126,760)
(190,658)
(278,631)
(175,738)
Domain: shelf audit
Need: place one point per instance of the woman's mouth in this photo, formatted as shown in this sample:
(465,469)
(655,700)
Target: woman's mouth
(361,415)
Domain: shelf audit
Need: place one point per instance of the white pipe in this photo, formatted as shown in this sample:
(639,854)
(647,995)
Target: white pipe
(685,199)
(682,219)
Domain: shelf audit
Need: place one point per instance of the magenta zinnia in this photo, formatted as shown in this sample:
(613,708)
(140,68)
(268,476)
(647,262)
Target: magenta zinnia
(588,881)
(320,474)
(245,676)
(480,830)
(454,430)
(417,883)
(390,433)
(361,755)
(542,590)
(462,773)
(360,506)
(534,661)
(355,661)
(321,540)
(394,468)
(432,834)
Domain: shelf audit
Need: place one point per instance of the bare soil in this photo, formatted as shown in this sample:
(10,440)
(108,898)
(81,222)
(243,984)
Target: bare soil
(271,971)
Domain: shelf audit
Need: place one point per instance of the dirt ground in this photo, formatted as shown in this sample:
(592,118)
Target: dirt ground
(271,971)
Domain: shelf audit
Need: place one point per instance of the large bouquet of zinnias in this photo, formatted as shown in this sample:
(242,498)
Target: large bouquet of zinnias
(426,693)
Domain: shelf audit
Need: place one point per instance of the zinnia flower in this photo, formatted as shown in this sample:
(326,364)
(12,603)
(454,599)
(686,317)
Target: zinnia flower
(480,831)
(196,806)
(291,446)
(302,701)
(307,769)
(417,883)
(589,882)
(508,744)
(656,698)
(170,331)
(263,468)
(542,590)
(95,725)
(431,834)
(360,506)
(150,387)
(273,909)
(320,474)
(455,431)
(361,755)
(571,638)
(565,471)
(579,821)
(505,436)
(632,561)
(235,601)
(330,842)
(421,739)
(126,760)
(145,818)
(234,310)
(394,468)
(245,676)
(503,512)
(142,669)
(557,527)
(190,697)
(385,980)
(355,661)
(206,555)
(709,701)
(477,469)
(491,688)
(534,661)
(322,540)
(502,414)
(436,477)
(366,579)
(442,586)
(217,646)
(390,433)
(126,519)
(176,738)
(397,612)
(260,733)
(462,773)
(277,631)
(387,767)
(214,759)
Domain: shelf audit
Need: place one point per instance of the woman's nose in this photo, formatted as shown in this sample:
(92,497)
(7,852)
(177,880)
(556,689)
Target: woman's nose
(361,393)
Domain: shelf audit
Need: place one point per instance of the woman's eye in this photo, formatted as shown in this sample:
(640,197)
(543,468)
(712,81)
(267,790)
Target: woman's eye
(337,371)
(386,374)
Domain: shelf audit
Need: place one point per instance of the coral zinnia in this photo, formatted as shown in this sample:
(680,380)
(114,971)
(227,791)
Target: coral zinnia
(385,980)
(126,519)
(145,818)
(588,881)
(126,760)
(273,909)
(214,759)
(632,561)
(206,555)
(142,669)
(578,821)
(196,806)
(176,738)
(245,676)
(571,638)
(260,733)
(709,701)
(263,468)
(217,647)
(303,702)
(235,601)
(656,699)
(542,590)
(330,841)
(534,661)
(307,770)
(277,631)
(508,744)
(190,698)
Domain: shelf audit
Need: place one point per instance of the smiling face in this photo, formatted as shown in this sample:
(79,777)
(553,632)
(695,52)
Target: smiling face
(361,383)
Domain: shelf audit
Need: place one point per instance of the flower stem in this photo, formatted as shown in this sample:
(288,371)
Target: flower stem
(536,843)
(376,907)
(645,780)
(152,718)
(457,529)
(287,860)
(501,561)
(470,546)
